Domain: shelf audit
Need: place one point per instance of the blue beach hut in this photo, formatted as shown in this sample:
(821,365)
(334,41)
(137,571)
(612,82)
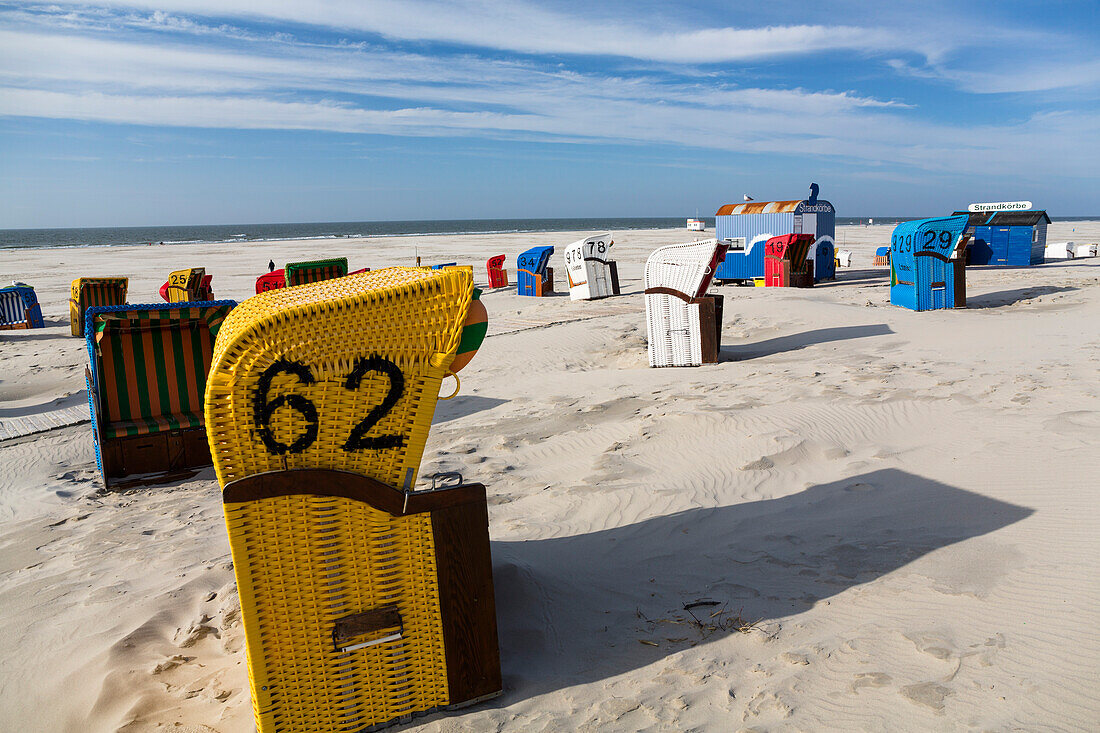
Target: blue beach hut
(1007,238)
(746,227)
(533,277)
(925,273)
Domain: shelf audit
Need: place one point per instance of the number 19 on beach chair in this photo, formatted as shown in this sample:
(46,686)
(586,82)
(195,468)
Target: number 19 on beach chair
(89,292)
(590,272)
(364,601)
(146,378)
(785,263)
(19,308)
(684,325)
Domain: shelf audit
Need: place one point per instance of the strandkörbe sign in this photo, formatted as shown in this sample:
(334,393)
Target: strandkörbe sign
(1002,206)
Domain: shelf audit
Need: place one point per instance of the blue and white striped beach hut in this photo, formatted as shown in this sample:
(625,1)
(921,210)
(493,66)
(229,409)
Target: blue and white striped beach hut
(746,227)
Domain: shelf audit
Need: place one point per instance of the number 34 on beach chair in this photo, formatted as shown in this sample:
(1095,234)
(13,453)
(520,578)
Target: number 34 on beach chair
(364,601)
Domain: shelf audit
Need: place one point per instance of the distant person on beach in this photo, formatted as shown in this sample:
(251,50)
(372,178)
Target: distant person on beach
(271,265)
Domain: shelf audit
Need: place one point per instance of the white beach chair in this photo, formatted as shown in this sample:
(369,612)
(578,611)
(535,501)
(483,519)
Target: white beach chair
(1060,251)
(590,273)
(844,258)
(684,325)
(1085,250)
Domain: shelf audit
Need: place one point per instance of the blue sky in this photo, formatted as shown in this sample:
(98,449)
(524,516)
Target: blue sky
(147,112)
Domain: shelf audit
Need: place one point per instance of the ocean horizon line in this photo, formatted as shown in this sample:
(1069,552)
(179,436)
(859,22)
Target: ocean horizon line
(22,238)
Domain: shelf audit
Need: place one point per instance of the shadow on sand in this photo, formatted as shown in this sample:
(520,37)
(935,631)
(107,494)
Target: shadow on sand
(447,410)
(795,341)
(573,610)
(1008,297)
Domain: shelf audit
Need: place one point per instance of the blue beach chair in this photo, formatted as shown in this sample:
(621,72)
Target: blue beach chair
(533,277)
(19,308)
(925,274)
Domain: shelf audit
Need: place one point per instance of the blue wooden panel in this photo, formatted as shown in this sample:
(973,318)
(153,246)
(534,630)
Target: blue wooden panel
(980,251)
(824,261)
(1019,246)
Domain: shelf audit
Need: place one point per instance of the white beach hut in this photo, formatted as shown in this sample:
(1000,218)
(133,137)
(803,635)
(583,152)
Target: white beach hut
(684,325)
(590,273)
(1060,251)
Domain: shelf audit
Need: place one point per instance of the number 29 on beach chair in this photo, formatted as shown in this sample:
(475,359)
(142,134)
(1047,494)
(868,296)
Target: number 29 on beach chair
(364,601)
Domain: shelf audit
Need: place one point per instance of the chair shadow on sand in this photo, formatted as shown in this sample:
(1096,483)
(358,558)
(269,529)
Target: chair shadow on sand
(795,341)
(447,410)
(1009,297)
(573,610)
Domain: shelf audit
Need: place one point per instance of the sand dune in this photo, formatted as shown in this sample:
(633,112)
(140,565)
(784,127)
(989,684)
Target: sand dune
(890,516)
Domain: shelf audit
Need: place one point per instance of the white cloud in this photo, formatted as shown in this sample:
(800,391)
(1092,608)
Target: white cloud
(522,27)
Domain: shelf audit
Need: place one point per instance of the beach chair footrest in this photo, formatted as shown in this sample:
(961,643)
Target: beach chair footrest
(165,452)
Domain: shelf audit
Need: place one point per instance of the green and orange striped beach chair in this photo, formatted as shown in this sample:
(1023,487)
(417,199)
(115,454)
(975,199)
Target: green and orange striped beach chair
(90,292)
(300,273)
(146,383)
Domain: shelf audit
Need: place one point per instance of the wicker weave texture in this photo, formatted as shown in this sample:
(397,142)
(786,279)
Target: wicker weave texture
(673,326)
(304,561)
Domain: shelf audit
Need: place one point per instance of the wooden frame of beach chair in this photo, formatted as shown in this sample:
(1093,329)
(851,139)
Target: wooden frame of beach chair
(364,602)
(303,273)
(533,277)
(683,324)
(785,263)
(187,286)
(498,276)
(146,378)
(91,292)
(591,275)
(19,308)
(882,257)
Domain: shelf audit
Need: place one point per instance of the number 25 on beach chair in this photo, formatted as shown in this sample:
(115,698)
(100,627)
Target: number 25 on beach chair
(146,378)
(533,277)
(684,325)
(89,292)
(364,601)
(186,286)
(590,272)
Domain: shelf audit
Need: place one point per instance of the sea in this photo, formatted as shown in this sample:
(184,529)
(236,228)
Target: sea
(229,233)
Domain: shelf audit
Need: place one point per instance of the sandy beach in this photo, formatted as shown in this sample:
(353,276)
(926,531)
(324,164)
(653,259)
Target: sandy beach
(896,513)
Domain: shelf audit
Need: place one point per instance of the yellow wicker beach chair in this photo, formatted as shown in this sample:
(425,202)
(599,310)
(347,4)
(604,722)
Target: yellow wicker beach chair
(187,286)
(363,601)
(89,292)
